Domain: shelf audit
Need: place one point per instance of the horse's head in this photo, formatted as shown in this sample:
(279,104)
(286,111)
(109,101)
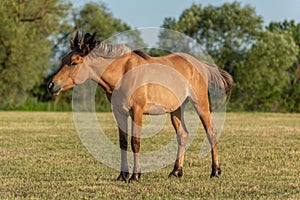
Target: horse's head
(71,71)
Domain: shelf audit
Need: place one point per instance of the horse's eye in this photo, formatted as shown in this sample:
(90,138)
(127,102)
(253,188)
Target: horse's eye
(73,64)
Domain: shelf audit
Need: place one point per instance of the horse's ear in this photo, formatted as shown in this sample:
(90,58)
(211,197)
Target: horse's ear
(87,43)
(84,43)
(92,38)
(81,42)
(89,39)
(74,41)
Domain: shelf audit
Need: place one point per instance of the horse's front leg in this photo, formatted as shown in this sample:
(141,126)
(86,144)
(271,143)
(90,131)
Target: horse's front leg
(137,116)
(123,141)
(124,163)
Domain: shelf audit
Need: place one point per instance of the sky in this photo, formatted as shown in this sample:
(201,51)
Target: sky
(151,13)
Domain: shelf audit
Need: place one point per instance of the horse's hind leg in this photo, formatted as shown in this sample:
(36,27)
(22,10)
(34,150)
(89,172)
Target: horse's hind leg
(202,108)
(182,136)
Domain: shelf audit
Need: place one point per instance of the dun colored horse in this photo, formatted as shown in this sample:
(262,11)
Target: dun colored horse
(153,85)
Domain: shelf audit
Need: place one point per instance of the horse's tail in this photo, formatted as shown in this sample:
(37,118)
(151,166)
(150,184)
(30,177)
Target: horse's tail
(227,81)
(220,79)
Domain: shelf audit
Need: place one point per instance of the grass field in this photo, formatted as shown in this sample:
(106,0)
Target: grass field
(42,157)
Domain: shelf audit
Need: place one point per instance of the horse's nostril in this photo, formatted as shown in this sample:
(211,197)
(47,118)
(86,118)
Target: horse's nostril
(50,85)
(54,88)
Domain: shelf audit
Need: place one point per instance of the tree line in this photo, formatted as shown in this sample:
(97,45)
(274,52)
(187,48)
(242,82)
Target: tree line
(264,60)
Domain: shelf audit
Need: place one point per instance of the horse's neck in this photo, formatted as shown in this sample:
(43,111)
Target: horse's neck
(107,72)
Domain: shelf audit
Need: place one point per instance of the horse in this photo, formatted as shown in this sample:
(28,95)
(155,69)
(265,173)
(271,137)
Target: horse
(153,86)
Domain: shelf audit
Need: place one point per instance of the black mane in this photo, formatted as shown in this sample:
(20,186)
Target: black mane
(141,53)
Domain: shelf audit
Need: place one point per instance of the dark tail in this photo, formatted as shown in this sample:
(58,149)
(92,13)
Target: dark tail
(220,81)
(227,81)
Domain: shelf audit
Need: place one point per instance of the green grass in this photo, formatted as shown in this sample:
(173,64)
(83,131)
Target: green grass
(42,157)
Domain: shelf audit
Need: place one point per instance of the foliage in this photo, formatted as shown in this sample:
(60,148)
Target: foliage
(263,77)
(96,17)
(226,32)
(25,49)
(291,94)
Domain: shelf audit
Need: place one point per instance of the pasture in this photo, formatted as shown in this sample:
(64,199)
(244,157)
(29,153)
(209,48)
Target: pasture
(41,156)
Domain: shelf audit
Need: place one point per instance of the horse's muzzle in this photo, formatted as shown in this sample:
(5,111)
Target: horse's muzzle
(54,88)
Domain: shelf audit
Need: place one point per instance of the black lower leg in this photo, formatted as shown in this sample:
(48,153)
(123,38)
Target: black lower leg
(216,171)
(177,172)
(135,177)
(123,176)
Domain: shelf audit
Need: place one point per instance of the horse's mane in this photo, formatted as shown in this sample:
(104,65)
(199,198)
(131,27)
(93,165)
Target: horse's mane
(142,53)
(109,50)
(102,49)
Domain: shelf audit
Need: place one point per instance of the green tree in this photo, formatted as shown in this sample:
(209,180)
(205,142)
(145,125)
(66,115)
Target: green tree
(291,94)
(226,32)
(96,17)
(25,48)
(263,77)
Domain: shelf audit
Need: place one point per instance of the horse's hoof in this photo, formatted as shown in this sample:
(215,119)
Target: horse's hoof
(135,178)
(216,171)
(123,176)
(176,173)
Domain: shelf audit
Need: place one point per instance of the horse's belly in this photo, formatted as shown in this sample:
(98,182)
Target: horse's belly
(157,99)
(152,109)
